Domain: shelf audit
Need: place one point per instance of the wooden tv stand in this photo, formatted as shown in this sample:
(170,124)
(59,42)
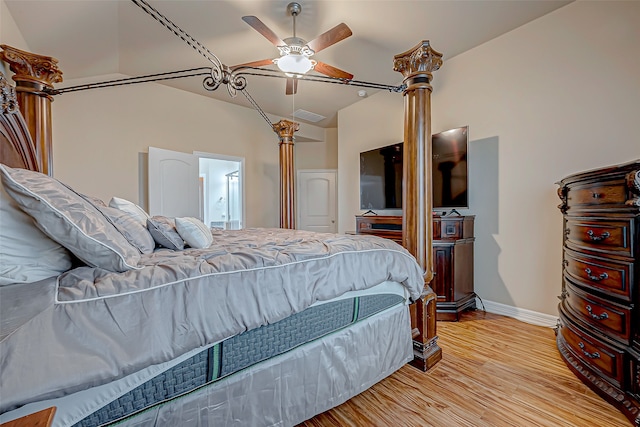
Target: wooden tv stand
(452,257)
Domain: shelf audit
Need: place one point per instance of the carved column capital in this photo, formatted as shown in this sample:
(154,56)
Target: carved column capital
(31,67)
(285,130)
(420,60)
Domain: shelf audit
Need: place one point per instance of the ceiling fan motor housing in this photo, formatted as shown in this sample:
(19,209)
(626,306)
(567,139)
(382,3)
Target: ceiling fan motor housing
(294,8)
(295,46)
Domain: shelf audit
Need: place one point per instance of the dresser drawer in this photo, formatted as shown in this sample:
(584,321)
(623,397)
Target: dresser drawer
(613,278)
(598,194)
(453,227)
(594,353)
(601,235)
(389,227)
(449,230)
(608,317)
(379,226)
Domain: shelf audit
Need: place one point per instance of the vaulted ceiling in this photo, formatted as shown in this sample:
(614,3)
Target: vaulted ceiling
(92,38)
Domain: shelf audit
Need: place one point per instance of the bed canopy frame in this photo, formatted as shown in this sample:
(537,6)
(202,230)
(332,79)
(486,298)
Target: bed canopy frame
(26,142)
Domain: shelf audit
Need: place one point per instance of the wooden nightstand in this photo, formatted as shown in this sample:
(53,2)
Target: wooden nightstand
(42,418)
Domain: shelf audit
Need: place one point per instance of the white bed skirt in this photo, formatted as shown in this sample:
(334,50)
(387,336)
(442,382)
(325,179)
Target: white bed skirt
(289,389)
(294,387)
(282,391)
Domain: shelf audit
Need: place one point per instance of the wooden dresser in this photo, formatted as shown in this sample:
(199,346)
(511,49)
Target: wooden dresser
(452,254)
(599,328)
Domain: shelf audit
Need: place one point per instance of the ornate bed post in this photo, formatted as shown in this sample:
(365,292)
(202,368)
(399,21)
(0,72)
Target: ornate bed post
(285,130)
(34,73)
(416,65)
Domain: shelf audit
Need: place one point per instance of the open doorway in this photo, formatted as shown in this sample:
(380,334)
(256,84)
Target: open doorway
(222,201)
(203,185)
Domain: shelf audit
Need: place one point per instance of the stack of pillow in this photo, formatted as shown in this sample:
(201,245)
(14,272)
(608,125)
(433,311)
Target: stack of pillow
(43,222)
(170,233)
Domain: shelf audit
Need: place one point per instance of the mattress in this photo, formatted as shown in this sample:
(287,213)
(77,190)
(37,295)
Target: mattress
(216,363)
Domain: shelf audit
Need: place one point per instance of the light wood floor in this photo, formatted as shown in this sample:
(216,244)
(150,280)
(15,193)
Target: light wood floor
(495,371)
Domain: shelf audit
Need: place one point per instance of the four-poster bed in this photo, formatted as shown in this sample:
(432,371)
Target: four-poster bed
(374,342)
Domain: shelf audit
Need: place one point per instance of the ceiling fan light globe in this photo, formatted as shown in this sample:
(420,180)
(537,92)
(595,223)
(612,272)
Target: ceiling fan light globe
(294,65)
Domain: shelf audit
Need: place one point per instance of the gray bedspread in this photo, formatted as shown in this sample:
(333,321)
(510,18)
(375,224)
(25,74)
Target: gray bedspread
(95,326)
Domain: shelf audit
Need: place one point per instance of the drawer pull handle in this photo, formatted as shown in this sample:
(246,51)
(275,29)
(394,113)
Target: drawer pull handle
(596,195)
(599,238)
(602,316)
(594,355)
(602,276)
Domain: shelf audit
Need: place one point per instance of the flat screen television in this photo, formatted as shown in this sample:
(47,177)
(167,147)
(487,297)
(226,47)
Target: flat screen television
(381,173)
(449,168)
(381,178)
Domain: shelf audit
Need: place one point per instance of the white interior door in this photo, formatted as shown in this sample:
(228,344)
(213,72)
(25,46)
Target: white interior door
(317,200)
(174,187)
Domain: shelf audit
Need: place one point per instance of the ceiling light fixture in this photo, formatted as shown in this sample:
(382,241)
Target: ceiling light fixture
(294,64)
(294,55)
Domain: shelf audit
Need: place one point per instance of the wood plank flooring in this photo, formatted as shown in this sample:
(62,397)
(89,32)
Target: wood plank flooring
(496,371)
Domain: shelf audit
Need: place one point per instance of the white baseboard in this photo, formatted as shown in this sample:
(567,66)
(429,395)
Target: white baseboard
(522,314)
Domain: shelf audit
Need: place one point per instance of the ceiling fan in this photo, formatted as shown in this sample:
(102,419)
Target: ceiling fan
(295,53)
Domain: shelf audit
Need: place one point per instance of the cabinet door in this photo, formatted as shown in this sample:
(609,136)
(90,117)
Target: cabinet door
(442,280)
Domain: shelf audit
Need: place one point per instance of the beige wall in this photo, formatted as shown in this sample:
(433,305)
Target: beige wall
(553,97)
(318,154)
(99,135)
(9,32)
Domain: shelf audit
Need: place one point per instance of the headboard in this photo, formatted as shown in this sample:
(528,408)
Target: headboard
(16,146)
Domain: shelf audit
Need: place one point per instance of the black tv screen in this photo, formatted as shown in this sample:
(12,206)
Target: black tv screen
(381,178)
(449,168)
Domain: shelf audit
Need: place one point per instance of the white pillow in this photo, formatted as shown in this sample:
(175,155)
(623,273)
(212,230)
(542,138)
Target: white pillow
(194,232)
(131,208)
(66,217)
(26,253)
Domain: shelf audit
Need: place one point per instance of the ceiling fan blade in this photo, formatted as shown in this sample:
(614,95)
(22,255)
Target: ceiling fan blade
(333,36)
(260,63)
(331,71)
(292,86)
(259,26)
